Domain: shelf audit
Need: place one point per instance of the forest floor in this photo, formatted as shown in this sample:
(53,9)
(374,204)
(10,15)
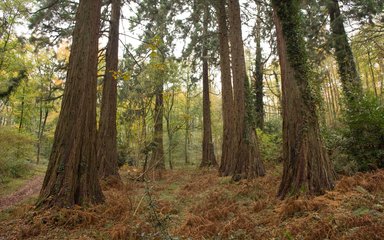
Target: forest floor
(195,204)
(30,188)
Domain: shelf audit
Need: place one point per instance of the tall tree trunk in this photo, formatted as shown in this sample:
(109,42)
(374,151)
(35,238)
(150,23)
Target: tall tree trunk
(259,104)
(107,134)
(347,67)
(381,64)
(187,119)
(332,94)
(170,131)
(227,155)
(209,158)
(307,167)
(71,176)
(40,133)
(248,162)
(157,159)
(22,110)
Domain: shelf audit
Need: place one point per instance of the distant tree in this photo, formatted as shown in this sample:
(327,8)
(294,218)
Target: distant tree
(52,21)
(13,63)
(71,176)
(158,14)
(307,167)
(349,75)
(107,133)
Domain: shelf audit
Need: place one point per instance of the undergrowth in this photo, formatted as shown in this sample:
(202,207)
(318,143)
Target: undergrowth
(15,154)
(201,205)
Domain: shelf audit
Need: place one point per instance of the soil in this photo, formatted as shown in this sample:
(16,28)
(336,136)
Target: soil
(32,187)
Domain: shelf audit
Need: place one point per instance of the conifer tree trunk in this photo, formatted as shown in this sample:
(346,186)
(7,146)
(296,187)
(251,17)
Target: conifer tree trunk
(259,85)
(247,162)
(227,155)
(157,159)
(209,158)
(307,167)
(71,177)
(187,123)
(107,134)
(347,67)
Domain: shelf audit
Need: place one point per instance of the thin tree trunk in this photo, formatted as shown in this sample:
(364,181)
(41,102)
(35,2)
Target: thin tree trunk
(372,74)
(39,130)
(307,167)
(71,176)
(22,110)
(187,122)
(333,96)
(107,134)
(169,130)
(381,64)
(248,162)
(42,123)
(208,158)
(328,112)
(335,87)
(278,91)
(228,148)
(367,80)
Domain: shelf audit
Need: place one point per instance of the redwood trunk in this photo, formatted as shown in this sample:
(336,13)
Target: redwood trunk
(71,177)
(259,85)
(227,155)
(107,135)
(248,162)
(209,158)
(307,167)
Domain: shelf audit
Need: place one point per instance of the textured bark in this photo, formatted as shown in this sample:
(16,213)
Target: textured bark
(307,167)
(71,177)
(209,158)
(259,85)
(347,67)
(227,155)
(107,134)
(157,159)
(248,162)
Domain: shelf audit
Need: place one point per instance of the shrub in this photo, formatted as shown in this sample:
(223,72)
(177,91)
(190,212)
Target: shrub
(336,144)
(16,149)
(271,140)
(364,134)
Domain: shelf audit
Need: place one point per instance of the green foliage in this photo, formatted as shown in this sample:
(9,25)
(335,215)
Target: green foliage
(270,141)
(16,149)
(364,135)
(357,144)
(335,142)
